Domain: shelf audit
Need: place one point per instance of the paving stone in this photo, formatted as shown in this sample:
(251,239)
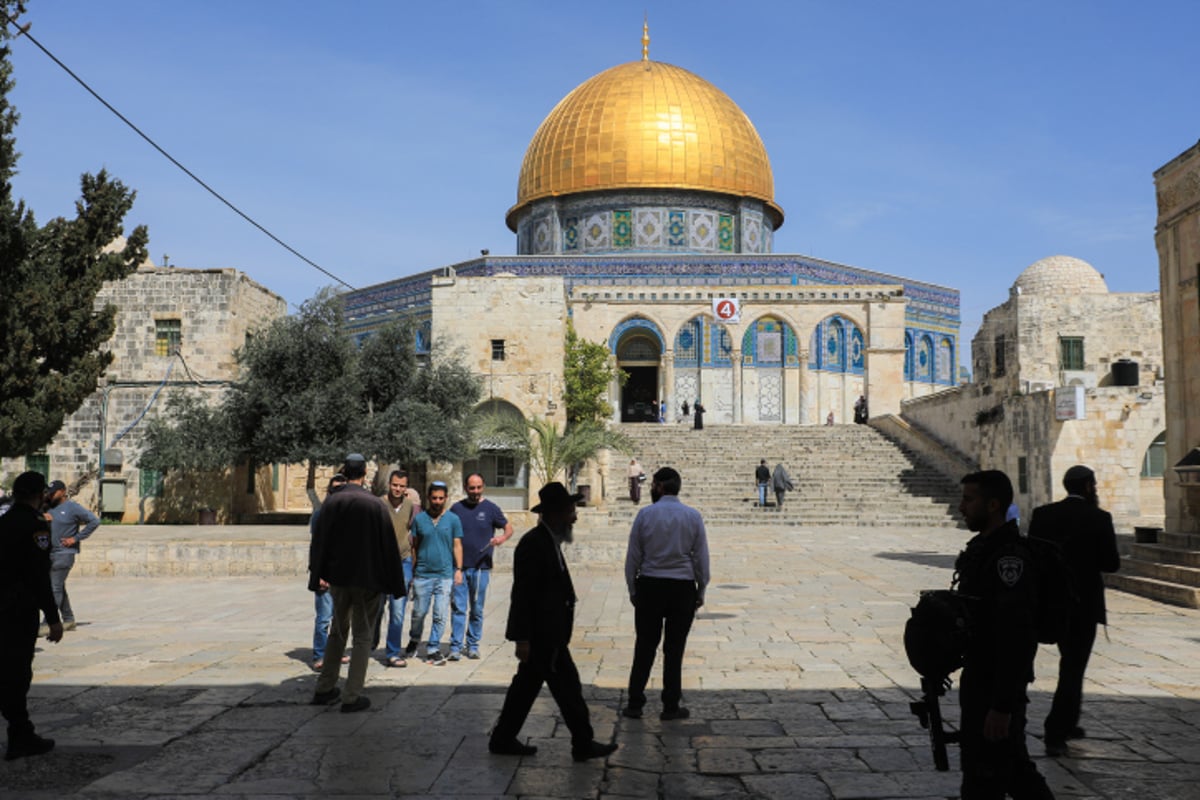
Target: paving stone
(791,786)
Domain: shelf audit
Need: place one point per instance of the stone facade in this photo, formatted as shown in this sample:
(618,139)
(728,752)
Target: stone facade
(1177,238)
(175,328)
(1061,328)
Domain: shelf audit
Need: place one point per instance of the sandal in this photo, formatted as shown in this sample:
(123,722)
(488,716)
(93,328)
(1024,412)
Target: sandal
(397,661)
(318,664)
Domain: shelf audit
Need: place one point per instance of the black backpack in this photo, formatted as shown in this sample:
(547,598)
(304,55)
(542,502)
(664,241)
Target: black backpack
(937,633)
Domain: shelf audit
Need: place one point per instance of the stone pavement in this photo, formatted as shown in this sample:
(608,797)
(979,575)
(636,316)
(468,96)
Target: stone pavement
(795,675)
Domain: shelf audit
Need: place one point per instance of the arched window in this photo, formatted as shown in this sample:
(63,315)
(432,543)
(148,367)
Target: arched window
(496,461)
(689,343)
(1154,463)
(909,360)
(945,362)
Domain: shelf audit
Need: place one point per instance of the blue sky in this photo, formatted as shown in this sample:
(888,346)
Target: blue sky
(948,142)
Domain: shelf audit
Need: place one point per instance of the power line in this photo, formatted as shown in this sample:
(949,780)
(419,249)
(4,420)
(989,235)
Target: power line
(25,31)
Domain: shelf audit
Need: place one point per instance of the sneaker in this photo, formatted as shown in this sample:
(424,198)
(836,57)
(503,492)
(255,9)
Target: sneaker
(436,659)
(669,714)
(33,746)
(473,655)
(454,656)
(69,626)
(593,749)
(411,650)
(361,703)
(510,748)
(326,698)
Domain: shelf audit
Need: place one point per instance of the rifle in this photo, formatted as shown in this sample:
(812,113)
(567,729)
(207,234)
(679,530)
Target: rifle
(929,714)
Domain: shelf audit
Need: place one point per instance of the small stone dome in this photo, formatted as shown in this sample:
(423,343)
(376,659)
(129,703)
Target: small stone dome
(1060,274)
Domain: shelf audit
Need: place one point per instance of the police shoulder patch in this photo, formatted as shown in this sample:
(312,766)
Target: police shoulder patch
(1010,569)
(42,540)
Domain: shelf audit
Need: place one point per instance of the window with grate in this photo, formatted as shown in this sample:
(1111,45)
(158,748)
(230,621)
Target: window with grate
(38,462)
(168,335)
(1070,352)
(497,349)
(150,483)
(1154,463)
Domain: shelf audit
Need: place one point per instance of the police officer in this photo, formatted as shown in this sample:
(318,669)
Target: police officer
(24,590)
(999,665)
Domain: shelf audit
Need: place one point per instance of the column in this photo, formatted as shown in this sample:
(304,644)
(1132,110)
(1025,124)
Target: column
(736,359)
(667,370)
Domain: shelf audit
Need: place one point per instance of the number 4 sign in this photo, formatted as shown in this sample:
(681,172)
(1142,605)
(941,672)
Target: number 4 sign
(727,309)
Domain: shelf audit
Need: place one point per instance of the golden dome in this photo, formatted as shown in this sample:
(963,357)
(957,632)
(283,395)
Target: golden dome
(646,125)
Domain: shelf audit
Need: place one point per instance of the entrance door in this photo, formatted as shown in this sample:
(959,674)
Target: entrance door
(638,354)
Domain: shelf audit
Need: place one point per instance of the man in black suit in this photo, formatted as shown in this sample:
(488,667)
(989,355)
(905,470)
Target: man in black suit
(1089,544)
(540,619)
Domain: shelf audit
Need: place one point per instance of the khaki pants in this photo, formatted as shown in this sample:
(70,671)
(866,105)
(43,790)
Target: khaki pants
(353,610)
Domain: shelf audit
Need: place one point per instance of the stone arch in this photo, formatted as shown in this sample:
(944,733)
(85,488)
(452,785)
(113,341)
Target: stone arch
(506,475)
(638,345)
(837,344)
(636,322)
(697,340)
(944,363)
(1154,459)
(923,363)
(770,341)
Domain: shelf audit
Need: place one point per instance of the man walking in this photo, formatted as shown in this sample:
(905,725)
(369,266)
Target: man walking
(1089,545)
(666,572)
(484,528)
(437,568)
(354,551)
(636,476)
(999,661)
(541,616)
(762,477)
(400,509)
(24,589)
(70,523)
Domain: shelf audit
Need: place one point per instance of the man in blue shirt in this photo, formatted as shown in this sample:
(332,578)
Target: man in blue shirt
(481,519)
(70,523)
(437,567)
(666,571)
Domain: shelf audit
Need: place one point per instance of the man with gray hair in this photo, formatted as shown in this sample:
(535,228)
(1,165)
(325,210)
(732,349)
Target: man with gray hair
(1089,546)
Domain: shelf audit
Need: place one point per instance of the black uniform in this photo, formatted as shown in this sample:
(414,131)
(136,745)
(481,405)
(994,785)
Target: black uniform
(995,568)
(24,591)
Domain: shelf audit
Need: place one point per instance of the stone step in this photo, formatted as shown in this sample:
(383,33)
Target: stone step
(1180,541)
(1171,573)
(1165,555)
(1154,589)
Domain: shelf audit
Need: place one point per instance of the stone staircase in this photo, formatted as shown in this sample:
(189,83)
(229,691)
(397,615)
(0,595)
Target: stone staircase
(844,475)
(1167,571)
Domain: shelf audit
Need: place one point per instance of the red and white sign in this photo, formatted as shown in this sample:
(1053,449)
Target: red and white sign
(727,309)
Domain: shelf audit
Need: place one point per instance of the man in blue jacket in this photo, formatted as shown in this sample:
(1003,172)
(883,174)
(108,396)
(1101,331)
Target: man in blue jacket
(70,523)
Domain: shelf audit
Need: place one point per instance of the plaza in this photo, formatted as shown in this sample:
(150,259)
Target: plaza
(795,675)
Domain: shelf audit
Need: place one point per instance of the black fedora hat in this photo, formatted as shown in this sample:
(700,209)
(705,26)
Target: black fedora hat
(554,496)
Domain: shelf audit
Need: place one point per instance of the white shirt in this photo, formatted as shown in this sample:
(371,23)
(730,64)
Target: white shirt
(668,540)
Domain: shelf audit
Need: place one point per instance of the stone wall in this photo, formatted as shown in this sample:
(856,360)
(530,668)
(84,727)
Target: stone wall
(215,309)
(1177,238)
(998,431)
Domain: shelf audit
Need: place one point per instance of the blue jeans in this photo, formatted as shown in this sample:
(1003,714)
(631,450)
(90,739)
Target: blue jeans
(323,605)
(427,592)
(395,607)
(762,495)
(468,597)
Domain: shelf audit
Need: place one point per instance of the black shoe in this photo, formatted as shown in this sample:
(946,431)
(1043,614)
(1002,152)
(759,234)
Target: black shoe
(326,698)
(633,712)
(411,650)
(510,748)
(33,746)
(1056,747)
(669,714)
(361,703)
(1076,733)
(593,749)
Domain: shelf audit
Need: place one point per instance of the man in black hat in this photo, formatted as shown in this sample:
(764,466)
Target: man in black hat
(1089,545)
(540,619)
(24,589)
(354,552)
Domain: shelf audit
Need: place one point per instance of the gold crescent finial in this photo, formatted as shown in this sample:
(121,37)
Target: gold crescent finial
(646,38)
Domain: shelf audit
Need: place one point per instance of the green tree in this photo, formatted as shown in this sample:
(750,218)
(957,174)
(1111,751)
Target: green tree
(51,332)
(191,434)
(587,374)
(549,451)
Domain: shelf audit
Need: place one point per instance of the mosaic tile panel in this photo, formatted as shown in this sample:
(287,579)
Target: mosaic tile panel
(725,233)
(597,231)
(770,397)
(571,235)
(752,239)
(676,229)
(686,387)
(622,228)
(542,237)
(648,228)
(703,230)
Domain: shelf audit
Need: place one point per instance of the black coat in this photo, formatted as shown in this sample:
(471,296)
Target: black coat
(354,544)
(1089,544)
(25,564)
(542,610)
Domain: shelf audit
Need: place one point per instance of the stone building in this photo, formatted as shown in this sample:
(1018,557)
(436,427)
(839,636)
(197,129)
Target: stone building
(1065,372)
(646,216)
(175,328)
(1178,240)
